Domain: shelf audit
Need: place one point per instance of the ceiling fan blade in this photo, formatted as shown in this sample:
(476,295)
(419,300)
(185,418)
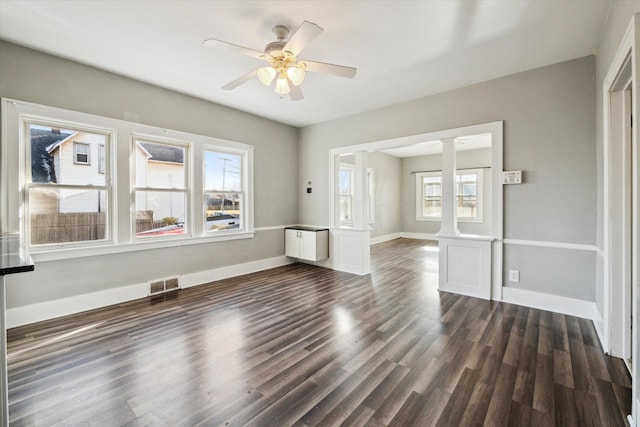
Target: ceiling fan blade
(305,33)
(296,92)
(336,70)
(219,44)
(237,82)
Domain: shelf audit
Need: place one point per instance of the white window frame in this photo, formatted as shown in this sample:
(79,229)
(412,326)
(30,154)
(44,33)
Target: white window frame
(480,194)
(28,184)
(13,160)
(187,191)
(420,196)
(351,169)
(246,199)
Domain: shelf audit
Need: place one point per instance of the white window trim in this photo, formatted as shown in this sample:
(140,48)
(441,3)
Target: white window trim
(187,190)
(480,195)
(351,168)
(246,182)
(419,196)
(13,176)
(26,183)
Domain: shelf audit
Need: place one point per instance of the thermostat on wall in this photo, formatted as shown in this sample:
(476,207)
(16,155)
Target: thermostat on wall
(512,177)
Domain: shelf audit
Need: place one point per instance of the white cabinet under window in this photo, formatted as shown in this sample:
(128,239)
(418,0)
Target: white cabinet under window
(307,243)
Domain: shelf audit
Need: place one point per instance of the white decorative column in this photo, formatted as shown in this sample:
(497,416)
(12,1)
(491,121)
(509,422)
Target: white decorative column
(351,245)
(449,219)
(464,261)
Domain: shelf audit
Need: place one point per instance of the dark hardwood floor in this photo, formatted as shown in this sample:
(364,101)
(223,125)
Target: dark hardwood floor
(300,345)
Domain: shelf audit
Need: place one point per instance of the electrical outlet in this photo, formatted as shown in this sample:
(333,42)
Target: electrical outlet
(514,276)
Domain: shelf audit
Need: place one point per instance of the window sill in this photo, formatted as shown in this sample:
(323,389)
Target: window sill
(89,251)
(465,220)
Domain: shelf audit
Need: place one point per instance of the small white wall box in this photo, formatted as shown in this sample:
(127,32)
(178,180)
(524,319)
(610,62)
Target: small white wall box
(512,177)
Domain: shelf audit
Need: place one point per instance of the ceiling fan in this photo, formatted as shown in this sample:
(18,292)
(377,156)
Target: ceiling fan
(282,59)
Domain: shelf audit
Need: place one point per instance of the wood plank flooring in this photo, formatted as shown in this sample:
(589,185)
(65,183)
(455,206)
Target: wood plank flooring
(305,346)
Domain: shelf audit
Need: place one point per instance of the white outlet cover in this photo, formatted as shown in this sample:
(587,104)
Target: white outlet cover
(514,276)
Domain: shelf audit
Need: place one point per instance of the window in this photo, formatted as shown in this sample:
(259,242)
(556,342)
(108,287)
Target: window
(66,201)
(62,166)
(467,202)
(468,195)
(161,192)
(429,186)
(225,192)
(81,152)
(345,186)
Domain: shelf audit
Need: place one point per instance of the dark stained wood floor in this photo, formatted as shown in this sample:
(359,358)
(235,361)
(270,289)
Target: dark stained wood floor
(301,345)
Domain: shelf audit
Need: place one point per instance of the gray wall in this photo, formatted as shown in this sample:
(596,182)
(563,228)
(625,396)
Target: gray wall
(618,19)
(549,133)
(388,190)
(32,76)
(464,159)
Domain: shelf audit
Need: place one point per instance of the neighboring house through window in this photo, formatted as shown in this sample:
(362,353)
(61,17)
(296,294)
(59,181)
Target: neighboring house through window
(161,187)
(63,163)
(68,199)
(101,158)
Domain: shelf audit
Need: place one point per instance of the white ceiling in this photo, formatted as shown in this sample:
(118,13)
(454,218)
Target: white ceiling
(402,49)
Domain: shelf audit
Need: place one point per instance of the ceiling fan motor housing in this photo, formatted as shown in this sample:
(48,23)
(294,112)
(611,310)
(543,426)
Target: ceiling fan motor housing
(274,49)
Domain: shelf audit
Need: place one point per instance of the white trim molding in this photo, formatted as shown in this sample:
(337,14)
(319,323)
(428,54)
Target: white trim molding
(24,315)
(558,245)
(385,238)
(420,236)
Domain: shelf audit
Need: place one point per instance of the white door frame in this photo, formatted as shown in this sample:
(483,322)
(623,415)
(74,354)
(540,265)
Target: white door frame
(620,179)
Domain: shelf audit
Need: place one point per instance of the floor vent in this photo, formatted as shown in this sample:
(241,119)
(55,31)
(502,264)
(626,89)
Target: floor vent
(164,285)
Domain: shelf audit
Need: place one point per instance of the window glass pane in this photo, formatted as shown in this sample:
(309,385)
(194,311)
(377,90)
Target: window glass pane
(345,208)
(62,156)
(160,213)
(223,171)
(345,181)
(432,196)
(63,215)
(159,165)
(224,211)
(467,195)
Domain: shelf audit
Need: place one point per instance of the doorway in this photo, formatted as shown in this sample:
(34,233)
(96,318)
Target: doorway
(621,213)
(350,242)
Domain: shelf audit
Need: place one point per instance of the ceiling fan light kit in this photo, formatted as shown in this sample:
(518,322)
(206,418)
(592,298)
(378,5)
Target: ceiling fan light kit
(282,58)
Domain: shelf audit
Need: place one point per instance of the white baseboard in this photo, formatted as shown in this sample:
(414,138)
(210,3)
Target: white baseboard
(200,277)
(24,315)
(420,236)
(555,303)
(385,238)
